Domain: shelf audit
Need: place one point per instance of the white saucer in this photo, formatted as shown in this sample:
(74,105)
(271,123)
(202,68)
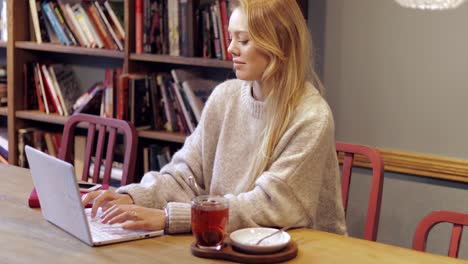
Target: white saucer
(246,238)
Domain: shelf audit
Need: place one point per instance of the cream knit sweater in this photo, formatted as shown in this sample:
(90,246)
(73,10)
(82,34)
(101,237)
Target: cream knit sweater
(302,185)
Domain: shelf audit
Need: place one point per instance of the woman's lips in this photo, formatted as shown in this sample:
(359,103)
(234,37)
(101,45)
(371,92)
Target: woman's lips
(238,64)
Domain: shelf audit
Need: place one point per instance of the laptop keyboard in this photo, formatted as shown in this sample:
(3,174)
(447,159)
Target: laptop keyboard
(104,232)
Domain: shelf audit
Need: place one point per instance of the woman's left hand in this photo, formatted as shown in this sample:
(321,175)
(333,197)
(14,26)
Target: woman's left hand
(134,217)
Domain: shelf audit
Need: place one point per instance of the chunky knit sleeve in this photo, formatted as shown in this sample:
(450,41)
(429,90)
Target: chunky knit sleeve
(180,180)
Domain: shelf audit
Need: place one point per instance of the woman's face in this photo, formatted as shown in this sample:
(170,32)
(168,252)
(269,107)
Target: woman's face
(249,61)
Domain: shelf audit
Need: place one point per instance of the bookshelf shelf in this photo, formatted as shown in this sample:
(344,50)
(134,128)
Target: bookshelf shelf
(34,115)
(40,116)
(215,63)
(56,48)
(24,51)
(162,135)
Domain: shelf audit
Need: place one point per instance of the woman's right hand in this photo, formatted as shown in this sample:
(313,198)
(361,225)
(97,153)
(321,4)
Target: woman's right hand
(105,199)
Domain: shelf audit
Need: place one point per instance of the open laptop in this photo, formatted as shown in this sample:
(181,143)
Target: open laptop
(58,191)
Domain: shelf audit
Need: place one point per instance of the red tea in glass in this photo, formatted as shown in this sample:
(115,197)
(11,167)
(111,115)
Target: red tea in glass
(209,218)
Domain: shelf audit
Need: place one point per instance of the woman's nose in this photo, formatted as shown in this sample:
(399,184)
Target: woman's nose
(231,48)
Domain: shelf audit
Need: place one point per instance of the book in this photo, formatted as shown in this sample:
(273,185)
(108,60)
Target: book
(35,21)
(156,106)
(139,26)
(39,89)
(164,81)
(90,102)
(108,26)
(139,105)
(173,19)
(87,26)
(116,22)
(99,26)
(224,17)
(54,22)
(67,84)
(66,28)
(72,23)
(197,92)
(51,89)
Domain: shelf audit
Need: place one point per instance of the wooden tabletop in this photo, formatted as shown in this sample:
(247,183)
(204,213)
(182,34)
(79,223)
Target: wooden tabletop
(25,237)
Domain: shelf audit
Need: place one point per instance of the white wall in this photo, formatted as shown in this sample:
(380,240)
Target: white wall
(398,79)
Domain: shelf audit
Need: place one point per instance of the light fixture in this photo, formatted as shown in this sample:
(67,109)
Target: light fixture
(430,4)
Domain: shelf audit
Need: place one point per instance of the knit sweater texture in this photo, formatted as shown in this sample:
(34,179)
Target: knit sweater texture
(301,187)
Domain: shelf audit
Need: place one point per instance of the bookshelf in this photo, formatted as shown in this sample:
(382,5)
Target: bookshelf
(21,50)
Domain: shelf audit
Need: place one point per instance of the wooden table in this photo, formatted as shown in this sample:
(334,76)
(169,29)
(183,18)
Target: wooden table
(25,237)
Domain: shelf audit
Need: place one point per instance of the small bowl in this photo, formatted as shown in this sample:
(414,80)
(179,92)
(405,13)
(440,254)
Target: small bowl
(245,239)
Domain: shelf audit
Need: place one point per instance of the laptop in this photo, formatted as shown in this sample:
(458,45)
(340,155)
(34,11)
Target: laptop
(58,191)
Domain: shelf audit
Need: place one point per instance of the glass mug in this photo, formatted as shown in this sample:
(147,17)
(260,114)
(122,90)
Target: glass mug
(210,216)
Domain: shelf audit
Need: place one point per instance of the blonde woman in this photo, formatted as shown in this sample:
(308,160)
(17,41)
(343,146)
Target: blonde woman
(265,140)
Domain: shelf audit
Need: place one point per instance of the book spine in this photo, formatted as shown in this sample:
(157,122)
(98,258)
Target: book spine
(81,19)
(55,23)
(139,26)
(100,27)
(62,23)
(43,90)
(173,16)
(90,26)
(214,28)
(62,105)
(114,18)
(219,27)
(35,21)
(225,23)
(108,26)
(51,89)
(40,102)
(72,25)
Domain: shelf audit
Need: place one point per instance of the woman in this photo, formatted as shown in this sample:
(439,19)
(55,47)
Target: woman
(265,140)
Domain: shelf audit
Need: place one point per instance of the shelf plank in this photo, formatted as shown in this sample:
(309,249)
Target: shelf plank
(162,135)
(36,115)
(192,61)
(56,48)
(60,120)
(4,111)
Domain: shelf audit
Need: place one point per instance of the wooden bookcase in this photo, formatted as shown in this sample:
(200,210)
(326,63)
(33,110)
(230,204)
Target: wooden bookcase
(20,50)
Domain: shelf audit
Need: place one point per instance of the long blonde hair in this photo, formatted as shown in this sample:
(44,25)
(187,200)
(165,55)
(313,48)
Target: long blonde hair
(279,29)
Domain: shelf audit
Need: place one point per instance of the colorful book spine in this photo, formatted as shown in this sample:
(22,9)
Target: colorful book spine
(55,23)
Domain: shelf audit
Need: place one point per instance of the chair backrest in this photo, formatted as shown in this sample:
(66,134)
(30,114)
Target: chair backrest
(105,126)
(428,222)
(375,196)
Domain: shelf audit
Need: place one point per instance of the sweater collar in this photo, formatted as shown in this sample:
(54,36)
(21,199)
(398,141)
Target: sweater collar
(256,108)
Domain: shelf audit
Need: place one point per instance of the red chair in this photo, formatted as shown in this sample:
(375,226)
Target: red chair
(427,223)
(103,125)
(375,197)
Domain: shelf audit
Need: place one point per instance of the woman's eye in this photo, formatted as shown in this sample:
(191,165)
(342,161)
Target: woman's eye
(243,42)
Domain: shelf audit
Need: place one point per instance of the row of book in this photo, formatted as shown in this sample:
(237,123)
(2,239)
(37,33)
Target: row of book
(161,101)
(93,24)
(50,88)
(155,157)
(3,21)
(48,142)
(183,27)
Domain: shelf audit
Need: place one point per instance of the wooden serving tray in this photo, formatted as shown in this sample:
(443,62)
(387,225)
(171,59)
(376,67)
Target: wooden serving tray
(231,254)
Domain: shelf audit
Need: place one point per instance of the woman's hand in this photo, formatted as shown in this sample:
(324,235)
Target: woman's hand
(134,217)
(105,199)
